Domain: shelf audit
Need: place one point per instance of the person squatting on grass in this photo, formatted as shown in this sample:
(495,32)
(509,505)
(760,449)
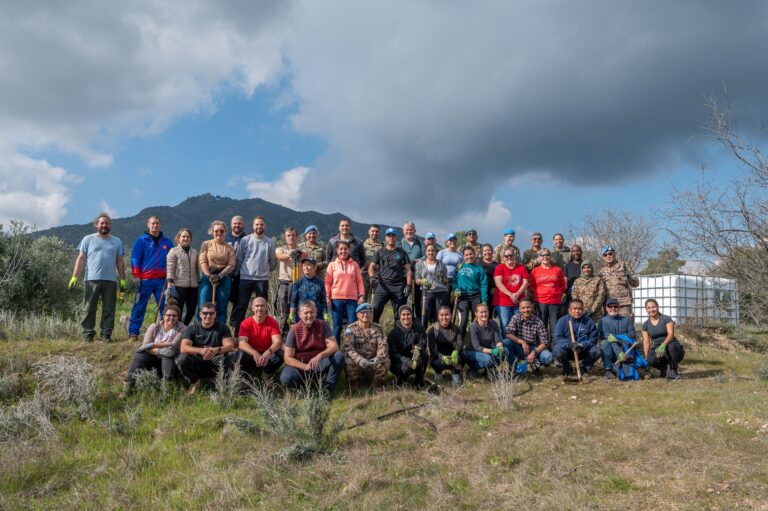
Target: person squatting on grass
(608,328)
(486,349)
(445,347)
(585,333)
(529,335)
(365,350)
(407,348)
(311,351)
(662,350)
(259,342)
(207,347)
(101,255)
(148,266)
(159,349)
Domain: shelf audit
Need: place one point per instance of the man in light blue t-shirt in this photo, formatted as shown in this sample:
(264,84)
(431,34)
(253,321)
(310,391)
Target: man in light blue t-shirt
(102,256)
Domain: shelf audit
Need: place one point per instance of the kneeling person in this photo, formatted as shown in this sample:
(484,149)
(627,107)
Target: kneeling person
(204,348)
(608,328)
(529,334)
(259,341)
(584,331)
(310,351)
(445,346)
(365,349)
(407,348)
(487,349)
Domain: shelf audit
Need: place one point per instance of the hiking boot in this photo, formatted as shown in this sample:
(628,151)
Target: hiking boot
(456,379)
(672,375)
(608,375)
(439,379)
(193,389)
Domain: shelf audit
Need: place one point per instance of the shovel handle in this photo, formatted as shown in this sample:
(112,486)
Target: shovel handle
(575,353)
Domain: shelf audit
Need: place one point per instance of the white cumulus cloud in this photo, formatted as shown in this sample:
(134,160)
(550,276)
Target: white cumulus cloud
(285,190)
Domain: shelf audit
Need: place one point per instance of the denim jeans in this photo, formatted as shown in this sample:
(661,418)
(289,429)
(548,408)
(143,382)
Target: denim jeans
(478,360)
(341,310)
(544,357)
(505,313)
(222,296)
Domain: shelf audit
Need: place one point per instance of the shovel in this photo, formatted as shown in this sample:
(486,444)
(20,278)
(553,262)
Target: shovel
(577,378)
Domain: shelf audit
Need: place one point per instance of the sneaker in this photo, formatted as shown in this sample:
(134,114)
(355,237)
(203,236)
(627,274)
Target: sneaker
(456,379)
(672,375)
(608,375)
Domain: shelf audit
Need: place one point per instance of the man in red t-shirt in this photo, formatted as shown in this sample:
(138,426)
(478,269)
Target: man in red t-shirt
(259,341)
(511,281)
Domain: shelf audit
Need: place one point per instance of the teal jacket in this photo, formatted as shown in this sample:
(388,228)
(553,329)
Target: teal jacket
(471,279)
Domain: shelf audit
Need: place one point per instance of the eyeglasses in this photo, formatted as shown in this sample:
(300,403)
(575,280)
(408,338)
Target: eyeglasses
(207,313)
(611,306)
(546,255)
(171,315)
(509,255)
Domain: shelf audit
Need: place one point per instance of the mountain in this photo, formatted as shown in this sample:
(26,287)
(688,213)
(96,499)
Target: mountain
(198,212)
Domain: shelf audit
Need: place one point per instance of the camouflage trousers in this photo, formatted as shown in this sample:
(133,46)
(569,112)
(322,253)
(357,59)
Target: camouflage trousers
(626,311)
(378,372)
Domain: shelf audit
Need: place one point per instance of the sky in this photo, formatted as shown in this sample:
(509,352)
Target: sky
(456,115)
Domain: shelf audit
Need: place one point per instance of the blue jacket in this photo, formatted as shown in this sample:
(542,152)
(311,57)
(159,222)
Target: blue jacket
(309,289)
(584,330)
(617,325)
(148,256)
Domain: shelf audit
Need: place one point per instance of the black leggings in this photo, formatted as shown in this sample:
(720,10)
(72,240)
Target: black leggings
(187,297)
(432,303)
(673,355)
(467,304)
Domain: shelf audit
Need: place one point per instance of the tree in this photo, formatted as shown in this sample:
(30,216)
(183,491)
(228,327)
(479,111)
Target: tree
(667,260)
(728,226)
(632,236)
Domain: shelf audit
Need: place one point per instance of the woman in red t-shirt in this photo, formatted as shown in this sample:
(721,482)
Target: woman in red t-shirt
(548,286)
(511,280)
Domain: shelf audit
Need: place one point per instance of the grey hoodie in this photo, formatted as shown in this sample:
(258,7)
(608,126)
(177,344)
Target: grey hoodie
(256,257)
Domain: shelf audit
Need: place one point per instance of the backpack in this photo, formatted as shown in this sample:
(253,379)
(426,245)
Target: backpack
(628,370)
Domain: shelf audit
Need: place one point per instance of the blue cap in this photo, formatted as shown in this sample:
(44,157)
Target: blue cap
(310,260)
(611,301)
(471,231)
(450,236)
(606,249)
(508,232)
(430,235)
(310,228)
(389,231)
(364,307)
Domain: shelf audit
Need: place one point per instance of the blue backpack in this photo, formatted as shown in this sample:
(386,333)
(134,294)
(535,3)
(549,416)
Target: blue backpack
(628,370)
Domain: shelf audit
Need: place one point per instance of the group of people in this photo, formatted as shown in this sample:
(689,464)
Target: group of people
(527,311)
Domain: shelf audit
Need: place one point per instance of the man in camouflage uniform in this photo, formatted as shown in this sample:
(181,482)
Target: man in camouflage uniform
(371,246)
(315,249)
(470,240)
(619,278)
(561,253)
(509,243)
(531,257)
(365,349)
(590,289)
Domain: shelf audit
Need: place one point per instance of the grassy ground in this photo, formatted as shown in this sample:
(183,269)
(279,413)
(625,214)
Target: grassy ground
(699,443)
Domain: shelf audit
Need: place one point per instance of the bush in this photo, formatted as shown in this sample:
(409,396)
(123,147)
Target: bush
(25,326)
(227,386)
(69,383)
(25,420)
(762,371)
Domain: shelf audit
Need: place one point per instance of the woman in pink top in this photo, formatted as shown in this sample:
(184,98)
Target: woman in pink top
(344,288)
(548,286)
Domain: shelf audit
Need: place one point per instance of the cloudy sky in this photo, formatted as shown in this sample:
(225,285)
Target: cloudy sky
(485,114)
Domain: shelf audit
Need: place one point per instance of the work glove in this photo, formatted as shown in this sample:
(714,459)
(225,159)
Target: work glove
(447,360)
(612,338)
(289,321)
(457,292)
(578,347)
(427,284)
(296,254)
(498,351)
(407,291)
(168,293)
(415,357)
(166,352)
(214,279)
(144,347)
(72,283)
(363,362)
(622,357)
(327,317)
(455,357)
(374,283)
(660,351)
(123,286)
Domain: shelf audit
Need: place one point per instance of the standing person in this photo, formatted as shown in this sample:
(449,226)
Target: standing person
(148,265)
(308,287)
(365,350)
(255,258)
(356,248)
(371,245)
(530,337)
(451,258)
(486,349)
(311,351)
(470,288)
(548,288)
(432,276)
(531,257)
(159,349)
(217,260)
(288,257)
(489,267)
(470,240)
(233,238)
(184,273)
(206,345)
(446,344)
(395,275)
(511,280)
(407,348)
(661,348)
(590,289)
(414,247)
(610,326)
(313,248)
(561,253)
(101,254)
(619,278)
(585,332)
(259,342)
(572,268)
(508,243)
(343,287)
(431,239)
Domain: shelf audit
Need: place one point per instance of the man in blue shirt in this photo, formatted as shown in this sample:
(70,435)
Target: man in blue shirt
(101,254)
(584,330)
(607,329)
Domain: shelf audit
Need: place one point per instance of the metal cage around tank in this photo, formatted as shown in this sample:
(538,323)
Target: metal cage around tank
(688,299)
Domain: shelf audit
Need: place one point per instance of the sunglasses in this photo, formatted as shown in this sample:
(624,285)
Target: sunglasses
(509,255)
(207,313)
(608,254)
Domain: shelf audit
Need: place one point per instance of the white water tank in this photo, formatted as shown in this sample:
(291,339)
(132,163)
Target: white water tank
(688,298)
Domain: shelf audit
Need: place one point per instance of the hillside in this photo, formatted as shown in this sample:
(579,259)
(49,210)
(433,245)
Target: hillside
(198,212)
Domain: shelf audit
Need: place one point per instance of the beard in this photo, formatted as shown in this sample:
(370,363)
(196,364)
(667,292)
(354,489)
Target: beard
(104,230)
